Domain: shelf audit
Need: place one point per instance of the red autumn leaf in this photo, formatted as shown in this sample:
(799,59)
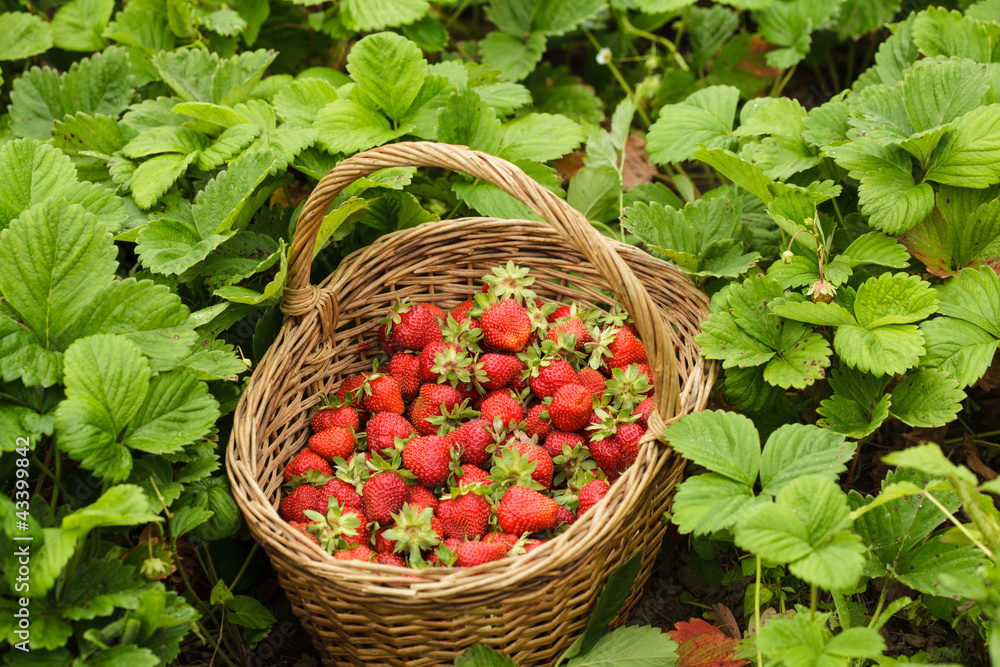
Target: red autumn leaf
(704,645)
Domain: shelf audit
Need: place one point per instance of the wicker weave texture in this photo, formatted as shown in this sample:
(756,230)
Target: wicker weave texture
(532,607)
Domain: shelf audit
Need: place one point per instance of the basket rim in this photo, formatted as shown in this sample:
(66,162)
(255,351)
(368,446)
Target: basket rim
(420,585)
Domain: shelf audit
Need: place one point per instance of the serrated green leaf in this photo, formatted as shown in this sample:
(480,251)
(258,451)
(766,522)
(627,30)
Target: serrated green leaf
(747,390)
(347,126)
(300,101)
(709,502)
(973,296)
(235,78)
(779,116)
(636,646)
(228,145)
(95,133)
(271,290)
(722,442)
(155,176)
(177,411)
(594,192)
(467,120)
(894,299)
(876,248)
(858,405)
(937,91)
(968,155)
(78,25)
(369,15)
(859,17)
(249,612)
(188,72)
(800,363)
(959,348)
(36,102)
(24,35)
(705,117)
(926,398)
(219,363)
(891,199)
(820,314)
(99,587)
(389,69)
(165,140)
(514,57)
(540,137)
(493,202)
(923,567)
(232,197)
(780,157)
(737,170)
(826,125)
(940,32)
(173,246)
(887,350)
(797,450)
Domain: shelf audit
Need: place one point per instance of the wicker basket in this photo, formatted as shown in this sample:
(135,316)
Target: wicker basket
(530,608)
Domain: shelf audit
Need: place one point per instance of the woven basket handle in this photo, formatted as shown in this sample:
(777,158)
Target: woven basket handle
(301,297)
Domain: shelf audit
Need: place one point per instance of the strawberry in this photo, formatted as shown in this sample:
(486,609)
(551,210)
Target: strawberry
(383,545)
(416,329)
(383,494)
(648,372)
(337,527)
(436,311)
(627,441)
(506,326)
(465,517)
(357,553)
(428,457)
(571,407)
(342,492)
(306,460)
(404,367)
(564,517)
(304,529)
(525,511)
(428,358)
(382,394)
(470,474)
(531,545)
(537,426)
(384,428)
(362,539)
(572,326)
(498,370)
(471,554)
(301,498)
(325,418)
(413,532)
(605,453)
(429,403)
(500,404)
(591,494)
(594,381)
(390,559)
(542,474)
(472,439)
(548,374)
(385,341)
(420,497)
(335,442)
(557,439)
(561,312)
(519,383)
(643,410)
(351,386)
(625,349)
(503,538)
(461,309)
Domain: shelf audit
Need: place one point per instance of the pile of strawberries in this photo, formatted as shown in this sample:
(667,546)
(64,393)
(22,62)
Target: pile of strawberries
(490,429)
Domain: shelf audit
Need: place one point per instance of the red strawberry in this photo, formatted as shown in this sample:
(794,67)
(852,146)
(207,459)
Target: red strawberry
(362,539)
(518,383)
(504,538)
(472,440)
(572,326)
(432,398)
(383,494)
(383,395)
(333,443)
(383,545)
(428,359)
(416,329)
(471,474)
(549,375)
(591,494)
(531,545)
(301,498)
(357,553)
(506,326)
(537,455)
(564,517)
(307,459)
(561,312)
(462,308)
(648,372)
(471,554)
(340,491)
(525,511)
(537,426)
(571,407)
(428,457)
(304,529)
(627,440)
(625,349)
(390,559)
(605,453)
(594,381)
(465,517)
(420,497)
(643,410)
(352,386)
(404,367)
(436,311)
(345,415)
(385,341)
(554,443)
(501,404)
(499,369)
(383,429)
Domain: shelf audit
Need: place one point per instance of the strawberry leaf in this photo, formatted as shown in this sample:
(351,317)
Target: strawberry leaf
(797,450)
(858,405)
(926,398)
(704,118)
(704,645)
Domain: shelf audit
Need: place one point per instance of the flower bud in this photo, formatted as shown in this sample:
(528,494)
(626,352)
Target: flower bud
(787,257)
(821,291)
(604,56)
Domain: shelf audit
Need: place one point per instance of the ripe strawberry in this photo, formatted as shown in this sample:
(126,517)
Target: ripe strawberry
(304,529)
(537,426)
(469,474)
(357,553)
(428,359)
(625,349)
(414,532)
(605,453)
(420,497)
(499,370)
(430,401)
(335,442)
(436,311)
(531,545)
(537,455)
(549,374)
(384,428)
(301,498)
(351,386)
(472,439)
(404,367)
(648,372)
(506,539)
(428,457)
(382,394)
(340,491)
(383,494)
(325,418)
(414,327)
(471,554)
(572,326)
(525,511)
(519,383)
(506,326)
(627,440)
(591,494)
(462,308)
(571,407)
(561,312)
(383,545)
(564,517)
(390,559)
(307,459)
(465,517)
(554,443)
(362,539)
(643,410)
(385,341)
(501,404)
(594,381)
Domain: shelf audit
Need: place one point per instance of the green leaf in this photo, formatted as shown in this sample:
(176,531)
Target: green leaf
(594,192)
(24,35)
(540,137)
(249,612)
(887,350)
(927,398)
(347,126)
(780,157)
(478,655)
(973,296)
(389,69)
(747,390)
(369,15)
(78,25)
(491,201)
(876,248)
(924,567)
(705,117)
(779,116)
(709,502)
(216,363)
(927,458)
(959,348)
(937,91)
(92,133)
(800,363)
(35,103)
(188,72)
(231,198)
(99,587)
(797,450)
(272,289)
(300,101)
(155,176)
(557,17)
(614,594)
(177,411)
(891,199)
(820,314)
(466,120)
(826,125)
(723,442)
(894,299)
(858,405)
(738,171)
(969,155)
(514,57)
(859,17)
(940,32)
(165,140)
(173,246)
(894,56)
(634,646)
